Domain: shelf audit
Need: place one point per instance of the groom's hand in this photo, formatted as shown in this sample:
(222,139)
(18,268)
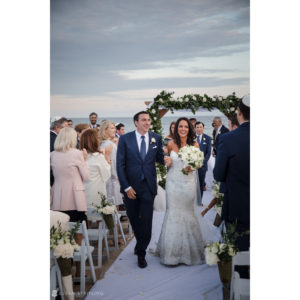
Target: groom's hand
(131,194)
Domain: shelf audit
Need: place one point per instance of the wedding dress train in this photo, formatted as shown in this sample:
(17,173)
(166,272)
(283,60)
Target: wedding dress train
(180,239)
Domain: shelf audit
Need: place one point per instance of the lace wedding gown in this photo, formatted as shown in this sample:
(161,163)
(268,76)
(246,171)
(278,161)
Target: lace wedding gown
(180,239)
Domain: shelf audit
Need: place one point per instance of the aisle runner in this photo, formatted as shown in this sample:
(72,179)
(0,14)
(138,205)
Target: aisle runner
(125,280)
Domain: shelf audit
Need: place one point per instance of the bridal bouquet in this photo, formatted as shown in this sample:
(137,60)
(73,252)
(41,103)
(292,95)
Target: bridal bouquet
(107,209)
(63,245)
(191,156)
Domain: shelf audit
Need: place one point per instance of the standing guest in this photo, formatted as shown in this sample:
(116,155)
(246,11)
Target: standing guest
(233,167)
(80,128)
(56,125)
(219,129)
(204,142)
(169,137)
(107,132)
(120,129)
(233,123)
(193,121)
(70,123)
(70,170)
(93,120)
(100,169)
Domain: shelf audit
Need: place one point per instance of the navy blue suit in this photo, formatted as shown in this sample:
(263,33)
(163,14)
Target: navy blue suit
(141,176)
(205,147)
(216,138)
(233,167)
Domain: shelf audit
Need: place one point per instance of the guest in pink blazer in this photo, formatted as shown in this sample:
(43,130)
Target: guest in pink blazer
(70,170)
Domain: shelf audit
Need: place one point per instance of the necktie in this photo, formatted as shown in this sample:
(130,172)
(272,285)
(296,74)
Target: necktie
(198,140)
(143,148)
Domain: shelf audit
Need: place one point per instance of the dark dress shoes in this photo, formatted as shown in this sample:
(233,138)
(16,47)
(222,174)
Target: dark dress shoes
(142,262)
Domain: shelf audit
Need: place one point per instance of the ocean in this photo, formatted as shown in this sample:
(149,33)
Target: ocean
(166,121)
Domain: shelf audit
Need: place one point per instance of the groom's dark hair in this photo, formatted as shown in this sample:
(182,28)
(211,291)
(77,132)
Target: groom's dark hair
(245,110)
(136,116)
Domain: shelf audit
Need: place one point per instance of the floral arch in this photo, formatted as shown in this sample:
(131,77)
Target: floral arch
(164,102)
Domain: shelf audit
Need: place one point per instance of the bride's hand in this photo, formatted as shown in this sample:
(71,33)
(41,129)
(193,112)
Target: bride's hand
(168,161)
(188,169)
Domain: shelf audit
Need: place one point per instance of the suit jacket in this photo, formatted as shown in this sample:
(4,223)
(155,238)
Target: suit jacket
(96,125)
(205,147)
(53,137)
(130,166)
(216,142)
(233,167)
(70,170)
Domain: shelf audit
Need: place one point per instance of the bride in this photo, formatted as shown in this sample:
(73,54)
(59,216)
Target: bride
(180,239)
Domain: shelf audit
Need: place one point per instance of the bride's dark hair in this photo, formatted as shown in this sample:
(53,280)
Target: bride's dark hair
(191,135)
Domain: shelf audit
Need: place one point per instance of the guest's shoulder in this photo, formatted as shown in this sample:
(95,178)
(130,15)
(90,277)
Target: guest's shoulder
(154,134)
(207,136)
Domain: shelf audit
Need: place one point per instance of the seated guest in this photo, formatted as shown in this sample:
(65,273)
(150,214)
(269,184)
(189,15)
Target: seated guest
(70,170)
(100,170)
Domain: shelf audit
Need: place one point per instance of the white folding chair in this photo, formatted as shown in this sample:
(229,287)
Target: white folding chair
(240,287)
(85,253)
(55,276)
(98,234)
(117,222)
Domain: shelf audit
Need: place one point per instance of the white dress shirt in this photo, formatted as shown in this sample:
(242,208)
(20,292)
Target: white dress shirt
(139,140)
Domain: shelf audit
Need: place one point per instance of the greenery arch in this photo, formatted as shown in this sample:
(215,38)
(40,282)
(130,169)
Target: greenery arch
(164,102)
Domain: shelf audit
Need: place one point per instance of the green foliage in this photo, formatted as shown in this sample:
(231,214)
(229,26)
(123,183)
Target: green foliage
(227,105)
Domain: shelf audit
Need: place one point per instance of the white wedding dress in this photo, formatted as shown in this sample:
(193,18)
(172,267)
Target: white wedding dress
(180,239)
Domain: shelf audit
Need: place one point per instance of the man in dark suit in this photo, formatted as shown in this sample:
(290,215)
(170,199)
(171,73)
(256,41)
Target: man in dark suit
(136,156)
(56,125)
(219,129)
(93,120)
(204,142)
(233,167)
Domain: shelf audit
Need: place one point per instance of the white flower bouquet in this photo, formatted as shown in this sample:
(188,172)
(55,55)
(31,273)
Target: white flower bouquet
(106,209)
(219,202)
(63,245)
(191,156)
(216,252)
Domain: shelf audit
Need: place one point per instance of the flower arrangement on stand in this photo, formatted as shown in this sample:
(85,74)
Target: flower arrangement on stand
(191,156)
(106,209)
(221,253)
(218,199)
(63,245)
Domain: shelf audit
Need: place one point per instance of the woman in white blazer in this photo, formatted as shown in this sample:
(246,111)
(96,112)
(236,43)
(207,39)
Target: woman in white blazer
(100,169)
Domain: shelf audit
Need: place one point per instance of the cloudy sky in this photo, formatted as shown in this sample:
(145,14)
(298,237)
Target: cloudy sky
(111,56)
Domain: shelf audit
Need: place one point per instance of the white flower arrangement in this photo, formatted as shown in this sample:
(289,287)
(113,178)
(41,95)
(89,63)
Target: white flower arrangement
(194,98)
(153,140)
(154,118)
(186,99)
(161,100)
(180,100)
(106,207)
(219,196)
(204,99)
(63,243)
(153,111)
(191,156)
(220,98)
(216,252)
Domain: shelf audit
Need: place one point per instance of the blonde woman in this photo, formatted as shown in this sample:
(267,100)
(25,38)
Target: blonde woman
(70,170)
(107,133)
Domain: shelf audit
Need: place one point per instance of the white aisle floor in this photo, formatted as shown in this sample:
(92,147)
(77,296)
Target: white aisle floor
(125,280)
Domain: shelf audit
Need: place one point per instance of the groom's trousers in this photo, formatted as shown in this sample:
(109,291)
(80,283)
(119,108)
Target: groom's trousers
(140,213)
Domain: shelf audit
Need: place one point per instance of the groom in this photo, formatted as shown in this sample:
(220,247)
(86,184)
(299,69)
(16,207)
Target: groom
(136,156)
